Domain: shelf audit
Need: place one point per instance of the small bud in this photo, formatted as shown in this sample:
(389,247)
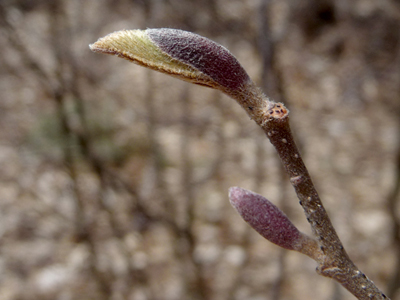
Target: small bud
(179,53)
(267,219)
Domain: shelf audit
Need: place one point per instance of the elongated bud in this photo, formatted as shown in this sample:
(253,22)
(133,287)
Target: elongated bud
(192,58)
(179,53)
(267,219)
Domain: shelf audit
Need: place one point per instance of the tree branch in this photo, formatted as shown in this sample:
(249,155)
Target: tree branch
(198,60)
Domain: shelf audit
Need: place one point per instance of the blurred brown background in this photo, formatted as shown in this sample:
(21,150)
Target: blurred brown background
(114,179)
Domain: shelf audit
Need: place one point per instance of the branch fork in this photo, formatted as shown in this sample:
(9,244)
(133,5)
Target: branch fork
(198,60)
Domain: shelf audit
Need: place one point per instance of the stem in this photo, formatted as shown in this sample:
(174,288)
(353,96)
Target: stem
(334,262)
(198,60)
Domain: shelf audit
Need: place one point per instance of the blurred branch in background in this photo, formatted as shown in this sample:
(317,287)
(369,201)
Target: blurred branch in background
(393,208)
(394,196)
(114,184)
(271,83)
(393,201)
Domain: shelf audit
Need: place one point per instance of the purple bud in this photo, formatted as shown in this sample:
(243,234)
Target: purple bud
(201,53)
(267,219)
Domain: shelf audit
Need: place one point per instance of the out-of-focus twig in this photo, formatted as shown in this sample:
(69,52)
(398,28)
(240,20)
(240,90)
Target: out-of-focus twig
(393,203)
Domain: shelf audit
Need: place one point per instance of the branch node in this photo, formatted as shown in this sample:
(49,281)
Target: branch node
(278,111)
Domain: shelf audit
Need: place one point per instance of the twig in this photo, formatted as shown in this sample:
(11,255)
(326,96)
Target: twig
(198,60)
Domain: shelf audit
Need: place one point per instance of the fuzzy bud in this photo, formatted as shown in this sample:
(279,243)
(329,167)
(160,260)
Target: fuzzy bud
(267,219)
(179,53)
